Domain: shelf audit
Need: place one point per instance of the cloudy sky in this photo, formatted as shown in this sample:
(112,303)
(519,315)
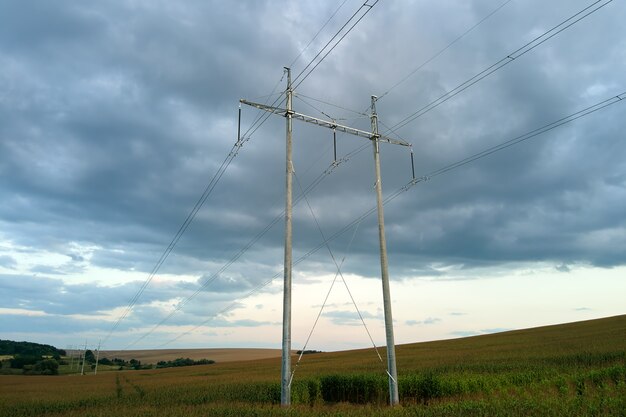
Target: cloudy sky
(115,116)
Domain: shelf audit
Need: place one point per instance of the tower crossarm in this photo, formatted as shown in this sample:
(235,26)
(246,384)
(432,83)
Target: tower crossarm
(325,123)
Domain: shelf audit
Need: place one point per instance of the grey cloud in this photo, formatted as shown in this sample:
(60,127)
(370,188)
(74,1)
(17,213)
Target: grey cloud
(7,261)
(349,318)
(426,321)
(114,117)
(60,324)
(464,333)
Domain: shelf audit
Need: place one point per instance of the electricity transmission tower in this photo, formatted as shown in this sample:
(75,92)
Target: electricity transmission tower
(375,138)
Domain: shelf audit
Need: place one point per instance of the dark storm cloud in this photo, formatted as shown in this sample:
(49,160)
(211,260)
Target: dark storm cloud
(114,117)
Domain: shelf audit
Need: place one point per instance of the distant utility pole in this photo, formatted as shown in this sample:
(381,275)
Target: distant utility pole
(82,369)
(71,353)
(375,138)
(95,371)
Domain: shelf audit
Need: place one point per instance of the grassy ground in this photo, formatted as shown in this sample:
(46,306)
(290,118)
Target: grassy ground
(573,369)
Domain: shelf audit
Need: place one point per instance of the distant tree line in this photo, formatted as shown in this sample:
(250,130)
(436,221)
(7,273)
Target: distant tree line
(308,352)
(9,347)
(133,363)
(31,358)
(183,362)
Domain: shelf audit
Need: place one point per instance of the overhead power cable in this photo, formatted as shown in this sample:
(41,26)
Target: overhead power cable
(181,230)
(318,33)
(406,187)
(255,126)
(441,51)
(340,273)
(245,248)
(319,314)
(572,20)
(363,113)
(262,118)
(529,135)
(363,11)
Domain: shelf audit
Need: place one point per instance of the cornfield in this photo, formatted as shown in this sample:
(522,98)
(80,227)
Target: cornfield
(574,369)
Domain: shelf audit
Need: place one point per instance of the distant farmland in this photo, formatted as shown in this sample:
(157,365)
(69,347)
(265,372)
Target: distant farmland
(218,355)
(571,369)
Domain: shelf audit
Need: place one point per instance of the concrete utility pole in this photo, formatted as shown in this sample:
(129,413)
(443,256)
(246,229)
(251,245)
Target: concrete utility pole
(285,388)
(376,138)
(70,351)
(82,369)
(394,398)
(95,371)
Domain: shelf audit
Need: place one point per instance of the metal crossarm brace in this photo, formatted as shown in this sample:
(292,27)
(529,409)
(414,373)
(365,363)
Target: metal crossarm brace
(325,123)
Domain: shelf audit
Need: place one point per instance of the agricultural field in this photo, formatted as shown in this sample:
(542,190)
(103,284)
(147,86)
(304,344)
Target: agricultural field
(564,370)
(218,355)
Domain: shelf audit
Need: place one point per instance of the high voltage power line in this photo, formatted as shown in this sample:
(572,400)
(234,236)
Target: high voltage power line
(441,51)
(570,21)
(529,46)
(318,33)
(260,121)
(406,187)
(359,14)
(247,247)
(232,154)
(181,230)
(255,239)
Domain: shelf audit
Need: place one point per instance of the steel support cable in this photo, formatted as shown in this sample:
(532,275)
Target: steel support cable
(406,187)
(242,251)
(349,226)
(369,7)
(327,244)
(529,135)
(319,314)
(334,105)
(338,267)
(181,230)
(248,134)
(317,109)
(263,118)
(221,312)
(539,40)
(329,42)
(318,33)
(365,4)
(260,120)
(435,56)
